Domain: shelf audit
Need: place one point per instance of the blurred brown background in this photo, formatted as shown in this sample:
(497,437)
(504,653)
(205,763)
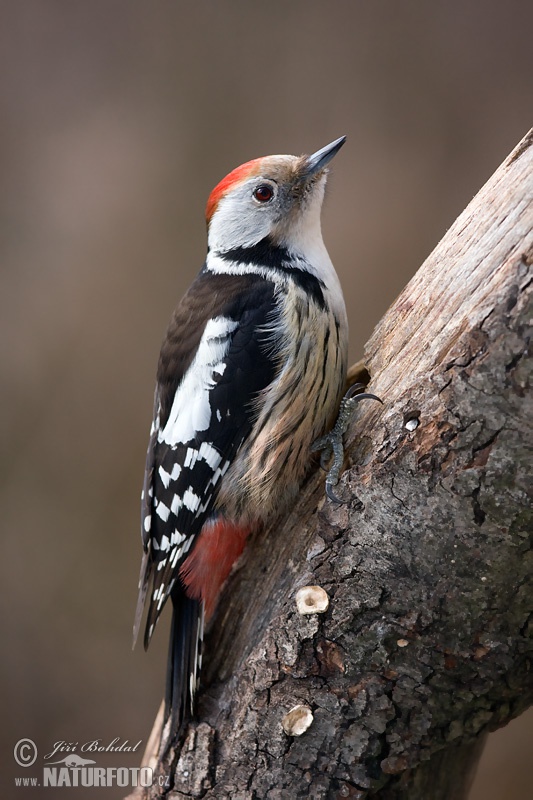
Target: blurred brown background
(117,118)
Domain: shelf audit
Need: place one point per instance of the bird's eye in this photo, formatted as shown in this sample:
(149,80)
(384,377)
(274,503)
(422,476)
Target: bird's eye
(263,193)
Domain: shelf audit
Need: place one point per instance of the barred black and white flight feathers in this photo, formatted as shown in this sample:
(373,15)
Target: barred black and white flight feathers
(215,361)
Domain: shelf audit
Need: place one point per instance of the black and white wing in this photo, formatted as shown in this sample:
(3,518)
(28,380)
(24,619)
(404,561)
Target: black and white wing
(203,411)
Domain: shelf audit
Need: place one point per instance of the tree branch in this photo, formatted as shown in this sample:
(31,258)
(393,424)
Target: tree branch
(426,643)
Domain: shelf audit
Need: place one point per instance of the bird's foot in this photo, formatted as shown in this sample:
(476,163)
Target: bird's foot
(332,443)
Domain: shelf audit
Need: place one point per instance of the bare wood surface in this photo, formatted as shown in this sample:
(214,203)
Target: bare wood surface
(426,644)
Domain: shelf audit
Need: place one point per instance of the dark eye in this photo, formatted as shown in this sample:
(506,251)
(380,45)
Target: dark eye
(264,193)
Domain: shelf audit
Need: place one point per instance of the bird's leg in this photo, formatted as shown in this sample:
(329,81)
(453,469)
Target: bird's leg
(332,442)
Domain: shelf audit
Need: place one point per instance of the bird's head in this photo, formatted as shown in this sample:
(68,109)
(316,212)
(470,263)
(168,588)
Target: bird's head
(279,197)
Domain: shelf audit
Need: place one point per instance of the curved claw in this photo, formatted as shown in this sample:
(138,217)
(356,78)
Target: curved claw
(331,494)
(361,396)
(331,444)
(353,389)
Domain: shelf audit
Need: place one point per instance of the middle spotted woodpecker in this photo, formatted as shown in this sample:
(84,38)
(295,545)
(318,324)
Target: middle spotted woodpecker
(251,373)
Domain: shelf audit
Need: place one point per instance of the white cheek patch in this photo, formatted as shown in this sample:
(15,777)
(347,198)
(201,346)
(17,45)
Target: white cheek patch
(191,410)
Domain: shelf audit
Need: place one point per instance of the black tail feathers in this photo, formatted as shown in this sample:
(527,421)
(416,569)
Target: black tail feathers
(184,664)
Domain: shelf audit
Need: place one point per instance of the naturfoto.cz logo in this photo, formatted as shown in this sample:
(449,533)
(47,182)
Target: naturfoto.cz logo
(75,770)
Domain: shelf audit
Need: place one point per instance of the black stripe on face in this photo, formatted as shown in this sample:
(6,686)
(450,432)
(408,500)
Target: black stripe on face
(262,254)
(270,256)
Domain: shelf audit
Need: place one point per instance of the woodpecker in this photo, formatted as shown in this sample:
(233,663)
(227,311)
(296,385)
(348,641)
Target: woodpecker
(251,373)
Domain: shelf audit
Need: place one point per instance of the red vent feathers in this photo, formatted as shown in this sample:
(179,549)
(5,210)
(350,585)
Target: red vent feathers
(218,546)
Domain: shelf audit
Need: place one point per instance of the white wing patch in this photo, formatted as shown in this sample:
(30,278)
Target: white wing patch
(166,477)
(219,472)
(176,504)
(162,511)
(191,500)
(191,411)
(210,454)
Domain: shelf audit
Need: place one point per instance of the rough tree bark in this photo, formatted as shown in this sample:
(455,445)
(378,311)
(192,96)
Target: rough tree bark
(426,643)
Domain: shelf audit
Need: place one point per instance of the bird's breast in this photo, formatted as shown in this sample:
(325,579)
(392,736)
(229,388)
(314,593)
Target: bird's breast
(309,342)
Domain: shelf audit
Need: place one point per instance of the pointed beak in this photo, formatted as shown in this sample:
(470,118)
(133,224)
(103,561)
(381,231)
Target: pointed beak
(321,158)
